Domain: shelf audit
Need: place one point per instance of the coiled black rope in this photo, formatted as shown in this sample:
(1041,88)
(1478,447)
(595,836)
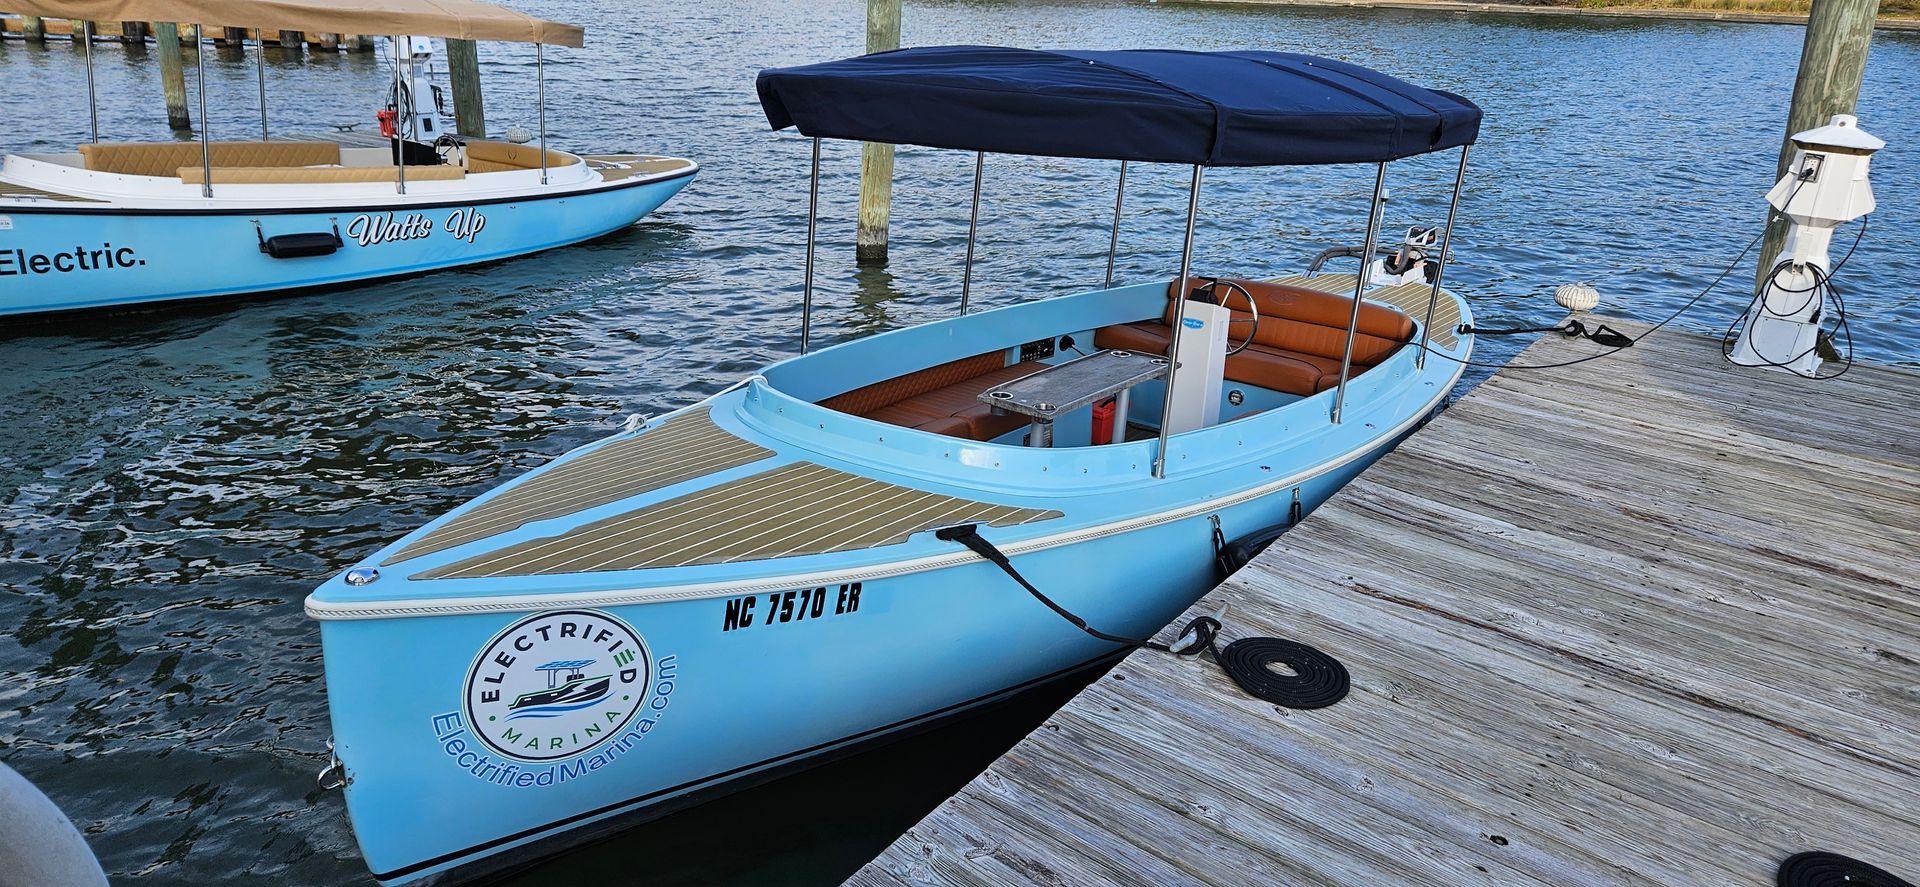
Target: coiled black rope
(1822,869)
(1317,680)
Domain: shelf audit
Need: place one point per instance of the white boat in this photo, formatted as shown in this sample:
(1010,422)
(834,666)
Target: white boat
(115,224)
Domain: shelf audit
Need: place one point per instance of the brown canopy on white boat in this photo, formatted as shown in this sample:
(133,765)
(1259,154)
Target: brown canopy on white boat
(465,19)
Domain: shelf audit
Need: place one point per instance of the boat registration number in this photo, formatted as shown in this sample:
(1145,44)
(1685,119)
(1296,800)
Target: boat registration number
(791,606)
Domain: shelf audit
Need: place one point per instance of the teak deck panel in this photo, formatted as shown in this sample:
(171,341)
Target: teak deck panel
(1649,620)
(680,449)
(11,191)
(795,509)
(614,167)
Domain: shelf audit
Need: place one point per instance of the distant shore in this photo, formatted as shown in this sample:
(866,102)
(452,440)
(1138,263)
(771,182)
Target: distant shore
(1714,15)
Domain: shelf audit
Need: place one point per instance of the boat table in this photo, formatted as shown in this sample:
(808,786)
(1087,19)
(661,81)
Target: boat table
(1065,387)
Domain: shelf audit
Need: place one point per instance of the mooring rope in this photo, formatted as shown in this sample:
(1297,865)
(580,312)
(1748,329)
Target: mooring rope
(1318,680)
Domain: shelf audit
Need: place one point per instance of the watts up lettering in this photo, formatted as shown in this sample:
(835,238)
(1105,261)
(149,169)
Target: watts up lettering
(370,229)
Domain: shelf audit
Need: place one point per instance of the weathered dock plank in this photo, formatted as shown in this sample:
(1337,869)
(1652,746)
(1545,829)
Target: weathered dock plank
(1645,620)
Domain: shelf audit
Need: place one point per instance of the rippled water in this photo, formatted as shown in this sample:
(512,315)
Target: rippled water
(172,484)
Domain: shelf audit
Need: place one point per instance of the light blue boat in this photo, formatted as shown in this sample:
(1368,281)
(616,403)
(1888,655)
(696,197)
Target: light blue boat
(782,571)
(120,224)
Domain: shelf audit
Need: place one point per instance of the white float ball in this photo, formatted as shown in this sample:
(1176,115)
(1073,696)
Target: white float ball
(1577,296)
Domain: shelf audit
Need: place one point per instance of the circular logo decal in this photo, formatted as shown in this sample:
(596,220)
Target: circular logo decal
(554,685)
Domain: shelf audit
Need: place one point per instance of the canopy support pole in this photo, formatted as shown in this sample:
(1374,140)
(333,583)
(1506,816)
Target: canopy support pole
(973,229)
(1113,242)
(93,100)
(540,89)
(399,146)
(1359,287)
(260,69)
(206,126)
(1173,347)
(813,217)
(1440,270)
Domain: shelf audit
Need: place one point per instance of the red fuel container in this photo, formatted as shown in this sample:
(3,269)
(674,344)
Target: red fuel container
(1103,422)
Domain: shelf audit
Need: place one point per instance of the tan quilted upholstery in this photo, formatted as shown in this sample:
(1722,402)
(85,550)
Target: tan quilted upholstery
(478,166)
(485,156)
(280,175)
(167,158)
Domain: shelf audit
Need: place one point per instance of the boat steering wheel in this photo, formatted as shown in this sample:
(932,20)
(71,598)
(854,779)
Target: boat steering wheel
(1253,308)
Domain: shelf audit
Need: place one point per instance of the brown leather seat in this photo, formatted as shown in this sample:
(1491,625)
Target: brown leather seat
(943,399)
(1298,344)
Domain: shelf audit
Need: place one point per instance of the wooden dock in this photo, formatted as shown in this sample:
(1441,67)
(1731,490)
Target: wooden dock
(1648,620)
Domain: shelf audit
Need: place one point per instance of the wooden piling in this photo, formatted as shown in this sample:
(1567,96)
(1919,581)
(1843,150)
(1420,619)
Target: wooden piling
(463,68)
(231,37)
(173,75)
(359,43)
(1833,60)
(876,160)
(329,42)
(33,28)
(82,32)
(294,40)
(133,32)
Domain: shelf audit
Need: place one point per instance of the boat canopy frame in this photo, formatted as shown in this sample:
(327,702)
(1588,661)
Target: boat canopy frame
(1085,104)
(447,19)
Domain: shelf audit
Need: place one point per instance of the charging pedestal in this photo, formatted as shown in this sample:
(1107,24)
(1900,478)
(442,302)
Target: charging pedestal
(421,122)
(1203,366)
(1825,187)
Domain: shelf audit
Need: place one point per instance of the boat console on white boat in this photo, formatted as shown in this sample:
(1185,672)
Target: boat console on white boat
(812,559)
(127,223)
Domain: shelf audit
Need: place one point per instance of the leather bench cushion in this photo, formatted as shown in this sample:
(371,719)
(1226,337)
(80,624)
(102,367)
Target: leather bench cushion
(297,175)
(501,156)
(1308,321)
(167,158)
(945,398)
(1289,372)
(961,400)
(864,401)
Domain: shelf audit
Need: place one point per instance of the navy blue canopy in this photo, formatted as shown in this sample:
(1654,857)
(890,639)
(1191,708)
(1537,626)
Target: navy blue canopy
(1156,105)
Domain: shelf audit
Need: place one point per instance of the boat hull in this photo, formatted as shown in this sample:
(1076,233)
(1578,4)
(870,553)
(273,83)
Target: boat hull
(725,688)
(58,259)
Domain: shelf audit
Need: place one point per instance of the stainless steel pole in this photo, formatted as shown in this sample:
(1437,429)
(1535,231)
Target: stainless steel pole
(1179,310)
(206,126)
(1440,270)
(93,101)
(399,146)
(1360,287)
(973,228)
(1113,242)
(540,89)
(260,69)
(813,217)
